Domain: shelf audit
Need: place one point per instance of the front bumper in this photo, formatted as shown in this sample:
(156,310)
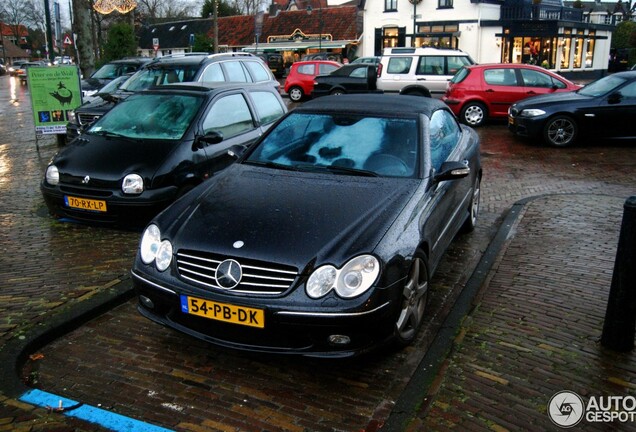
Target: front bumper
(121,210)
(288,327)
(525,126)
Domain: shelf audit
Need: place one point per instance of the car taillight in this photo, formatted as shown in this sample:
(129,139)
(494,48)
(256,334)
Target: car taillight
(379,69)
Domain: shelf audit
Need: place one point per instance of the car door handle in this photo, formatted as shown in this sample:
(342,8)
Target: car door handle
(531,92)
(490,91)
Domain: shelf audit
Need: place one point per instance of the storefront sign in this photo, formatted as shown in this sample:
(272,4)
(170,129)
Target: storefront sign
(54,92)
(299,36)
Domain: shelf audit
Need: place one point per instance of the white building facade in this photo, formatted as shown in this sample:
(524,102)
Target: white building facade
(510,31)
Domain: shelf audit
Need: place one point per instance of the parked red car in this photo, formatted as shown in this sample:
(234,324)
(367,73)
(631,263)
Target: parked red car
(300,81)
(479,92)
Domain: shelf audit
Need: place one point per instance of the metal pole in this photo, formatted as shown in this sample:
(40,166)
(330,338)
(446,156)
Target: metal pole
(215,45)
(4,53)
(620,316)
(321,21)
(49,34)
(414,22)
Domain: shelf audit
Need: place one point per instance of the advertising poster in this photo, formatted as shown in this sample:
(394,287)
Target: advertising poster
(54,92)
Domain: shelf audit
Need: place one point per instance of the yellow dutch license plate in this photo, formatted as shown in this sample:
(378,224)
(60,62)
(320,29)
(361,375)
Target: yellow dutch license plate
(223,312)
(85,203)
(511,121)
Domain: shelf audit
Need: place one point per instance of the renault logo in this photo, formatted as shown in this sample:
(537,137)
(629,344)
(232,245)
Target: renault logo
(228,274)
(86,179)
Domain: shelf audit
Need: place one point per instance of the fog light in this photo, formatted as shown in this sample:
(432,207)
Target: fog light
(339,340)
(146,302)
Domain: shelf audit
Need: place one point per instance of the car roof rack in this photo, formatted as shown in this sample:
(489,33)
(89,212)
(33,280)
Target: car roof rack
(232,54)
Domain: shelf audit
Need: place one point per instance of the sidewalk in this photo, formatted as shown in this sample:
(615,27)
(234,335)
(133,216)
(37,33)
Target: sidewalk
(536,326)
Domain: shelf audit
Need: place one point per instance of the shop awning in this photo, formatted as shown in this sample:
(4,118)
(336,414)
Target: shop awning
(294,46)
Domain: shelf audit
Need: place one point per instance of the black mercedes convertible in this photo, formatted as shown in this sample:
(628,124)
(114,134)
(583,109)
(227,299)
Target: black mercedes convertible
(321,239)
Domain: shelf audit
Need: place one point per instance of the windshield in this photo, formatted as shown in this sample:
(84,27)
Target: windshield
(343,144)
(154,76)
(108,71)
(149,116)
(601,86)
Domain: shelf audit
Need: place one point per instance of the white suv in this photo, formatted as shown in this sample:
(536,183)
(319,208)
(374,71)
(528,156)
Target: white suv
(419,71)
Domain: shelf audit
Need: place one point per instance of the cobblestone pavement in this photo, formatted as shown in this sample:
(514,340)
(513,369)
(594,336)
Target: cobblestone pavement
(514,351)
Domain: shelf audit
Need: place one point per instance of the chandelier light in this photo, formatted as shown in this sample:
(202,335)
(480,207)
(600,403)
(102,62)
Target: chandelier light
(107,6)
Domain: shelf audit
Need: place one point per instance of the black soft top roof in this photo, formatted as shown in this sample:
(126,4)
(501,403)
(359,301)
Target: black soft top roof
(382,104)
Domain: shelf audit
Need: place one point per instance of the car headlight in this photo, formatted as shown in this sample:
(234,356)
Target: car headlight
(164,255)
(150,242)
(132,184)
(52,175)
(531,112)
(71,116)
(152,248)
(353,279)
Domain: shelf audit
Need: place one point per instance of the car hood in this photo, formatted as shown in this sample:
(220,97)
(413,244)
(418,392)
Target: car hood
(93,83)
(293,218)
(552,99)
(108,159)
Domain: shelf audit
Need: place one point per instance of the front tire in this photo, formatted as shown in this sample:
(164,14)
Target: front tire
(474,114)
(473,209)
(560,131)
(296,94)
(414,300)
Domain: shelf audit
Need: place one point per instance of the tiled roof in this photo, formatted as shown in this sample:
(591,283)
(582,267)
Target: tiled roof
(13,51)
(238,31)
(174,34)
(7,30)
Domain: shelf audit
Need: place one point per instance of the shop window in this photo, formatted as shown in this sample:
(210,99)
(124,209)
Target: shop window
(390,5)
(436,42)
(565,46)
(444,4)
(589,52)
(578,50)
(390,37)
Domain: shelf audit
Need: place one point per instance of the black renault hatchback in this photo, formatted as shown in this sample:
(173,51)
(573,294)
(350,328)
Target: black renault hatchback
(153,147)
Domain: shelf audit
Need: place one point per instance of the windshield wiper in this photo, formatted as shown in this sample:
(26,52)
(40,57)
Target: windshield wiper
(270,164)
(337,169)
(353,171)
(106,133)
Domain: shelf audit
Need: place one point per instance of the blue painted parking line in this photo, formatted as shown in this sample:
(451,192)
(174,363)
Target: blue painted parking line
(104,418)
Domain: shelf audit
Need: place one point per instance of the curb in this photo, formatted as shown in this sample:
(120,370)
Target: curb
(14,353)
(416,392)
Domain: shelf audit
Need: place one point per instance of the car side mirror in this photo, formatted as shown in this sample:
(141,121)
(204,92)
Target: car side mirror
(212,137)
(451,171)
(614,98)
